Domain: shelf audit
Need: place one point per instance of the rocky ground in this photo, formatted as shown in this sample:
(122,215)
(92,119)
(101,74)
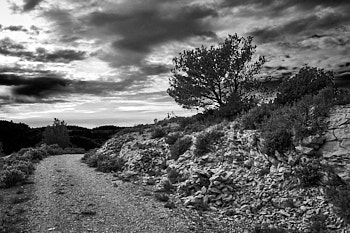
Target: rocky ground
(242,186)
(68,196)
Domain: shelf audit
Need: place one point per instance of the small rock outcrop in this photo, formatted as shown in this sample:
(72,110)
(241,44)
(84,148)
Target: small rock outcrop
(336,148)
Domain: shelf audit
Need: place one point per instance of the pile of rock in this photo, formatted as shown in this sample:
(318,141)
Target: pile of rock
(213,187)
(148,156)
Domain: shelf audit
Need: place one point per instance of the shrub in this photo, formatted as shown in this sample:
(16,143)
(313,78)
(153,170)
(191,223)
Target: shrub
(309,174)
(171,138)
(52,149)
(35,155)
(318,224)
(255,116)
(205,140)
(174,175)
(180,147)
(340,198)
(158,132)
(308,81)
(342,97)
(278,140)
(109,164)
(272,230)
(91,159)
(11,176)
(235,106)
(26,167)
(73,150)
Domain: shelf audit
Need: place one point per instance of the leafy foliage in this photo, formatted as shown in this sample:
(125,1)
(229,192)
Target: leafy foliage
(11,176)
(235,106)
(340,198)
(180,147)
(308,81)
(209,77)
(287,125)
(158,132)
(171,138)
(259,229)
(205,142)
(255,116)
(57,134)
(309,174)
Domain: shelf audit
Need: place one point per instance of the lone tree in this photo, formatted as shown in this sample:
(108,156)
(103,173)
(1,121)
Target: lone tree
(207,78)
(57,134)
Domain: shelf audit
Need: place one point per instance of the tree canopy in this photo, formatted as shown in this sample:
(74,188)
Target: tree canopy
(57,134)
(205,78)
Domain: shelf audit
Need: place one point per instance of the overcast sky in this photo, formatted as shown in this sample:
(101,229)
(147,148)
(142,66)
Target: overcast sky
(96,62)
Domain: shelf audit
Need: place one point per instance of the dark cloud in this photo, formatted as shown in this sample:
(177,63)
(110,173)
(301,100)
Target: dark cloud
(15,28)
(38,87)
(30,4)
(11,48)
(278,4)
(142,28)
(43,86)
(299,27)
(155,69)
(64,56)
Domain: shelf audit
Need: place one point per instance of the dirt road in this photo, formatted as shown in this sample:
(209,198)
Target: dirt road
(71,197)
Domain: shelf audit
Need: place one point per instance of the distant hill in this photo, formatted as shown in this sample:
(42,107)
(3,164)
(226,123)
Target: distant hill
(15,136)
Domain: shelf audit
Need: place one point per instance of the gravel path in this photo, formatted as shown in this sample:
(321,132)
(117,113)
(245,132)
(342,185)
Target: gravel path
(71,197)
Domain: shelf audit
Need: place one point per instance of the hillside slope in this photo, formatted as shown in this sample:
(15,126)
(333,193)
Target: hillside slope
(223,171)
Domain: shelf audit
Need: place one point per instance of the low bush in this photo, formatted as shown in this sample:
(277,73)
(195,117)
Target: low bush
(259,229)
(277,140)
(174,175)
(109,164)
(318,224)
(339,196)
(235,106)
(180,147)
(288,124)
(205,142)
(24,166)
(73,150)
(255,116)
(342,97)
(308,81)
(309,174)
(171,138)
(35,154)
(52,149)
(91,158)
(11,176)
(158,132)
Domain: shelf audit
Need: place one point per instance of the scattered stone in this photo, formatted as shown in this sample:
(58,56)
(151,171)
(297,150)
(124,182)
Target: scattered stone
(88,212)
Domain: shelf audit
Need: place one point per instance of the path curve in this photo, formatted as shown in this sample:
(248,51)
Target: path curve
(71,197)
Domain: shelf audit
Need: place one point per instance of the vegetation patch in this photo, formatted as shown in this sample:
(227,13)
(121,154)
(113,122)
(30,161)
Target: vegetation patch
(180,147)
(205,142)
(158,132)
